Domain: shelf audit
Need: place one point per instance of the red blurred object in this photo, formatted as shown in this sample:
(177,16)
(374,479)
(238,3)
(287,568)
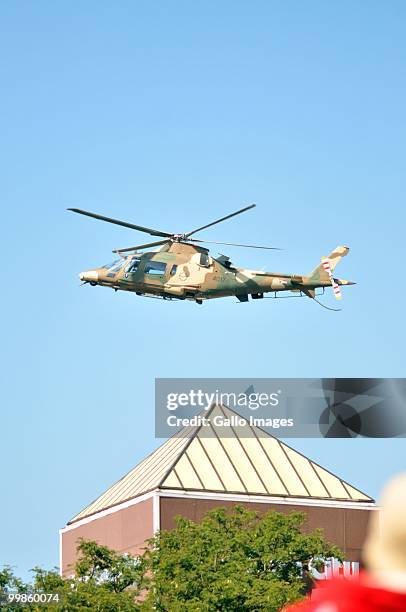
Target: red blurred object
(351,596)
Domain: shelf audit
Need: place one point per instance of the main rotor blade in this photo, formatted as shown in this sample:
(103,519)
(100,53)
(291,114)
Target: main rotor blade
(140,228)
(141,246)
(247,246)
(220,220)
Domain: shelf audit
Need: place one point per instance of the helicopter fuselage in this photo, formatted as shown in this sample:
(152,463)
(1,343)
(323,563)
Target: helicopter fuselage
(188,272)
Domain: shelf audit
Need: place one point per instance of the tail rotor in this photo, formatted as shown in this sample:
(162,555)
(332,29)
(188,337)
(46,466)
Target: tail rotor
(325,261)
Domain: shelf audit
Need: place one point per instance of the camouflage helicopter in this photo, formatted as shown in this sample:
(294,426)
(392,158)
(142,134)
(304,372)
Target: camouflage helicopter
(182,269)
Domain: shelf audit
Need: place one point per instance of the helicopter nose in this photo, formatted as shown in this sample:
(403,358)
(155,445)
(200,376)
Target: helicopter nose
(91,276)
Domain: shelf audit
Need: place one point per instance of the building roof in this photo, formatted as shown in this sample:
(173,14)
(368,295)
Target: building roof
(247,461)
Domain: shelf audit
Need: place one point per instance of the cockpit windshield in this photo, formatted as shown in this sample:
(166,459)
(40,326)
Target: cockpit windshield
(114,266)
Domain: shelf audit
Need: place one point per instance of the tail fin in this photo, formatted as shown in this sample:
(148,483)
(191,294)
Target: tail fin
(320,273)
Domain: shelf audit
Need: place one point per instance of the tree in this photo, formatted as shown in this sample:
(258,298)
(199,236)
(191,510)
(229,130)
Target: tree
(10,582)
(102,581)
(233,560)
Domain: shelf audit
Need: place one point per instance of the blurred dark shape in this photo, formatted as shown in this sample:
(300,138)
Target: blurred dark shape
(372,407)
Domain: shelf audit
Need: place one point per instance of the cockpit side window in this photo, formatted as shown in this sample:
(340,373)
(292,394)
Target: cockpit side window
(132,265)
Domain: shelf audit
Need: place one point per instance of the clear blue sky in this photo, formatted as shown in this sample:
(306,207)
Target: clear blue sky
(170,114)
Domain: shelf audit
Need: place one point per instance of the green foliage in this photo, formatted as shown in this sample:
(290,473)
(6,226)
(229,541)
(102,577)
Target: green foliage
(10,582)
(103,581)
(104,566)
(233,560)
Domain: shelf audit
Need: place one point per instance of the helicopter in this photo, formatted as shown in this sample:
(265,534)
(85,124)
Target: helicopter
(182,269)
